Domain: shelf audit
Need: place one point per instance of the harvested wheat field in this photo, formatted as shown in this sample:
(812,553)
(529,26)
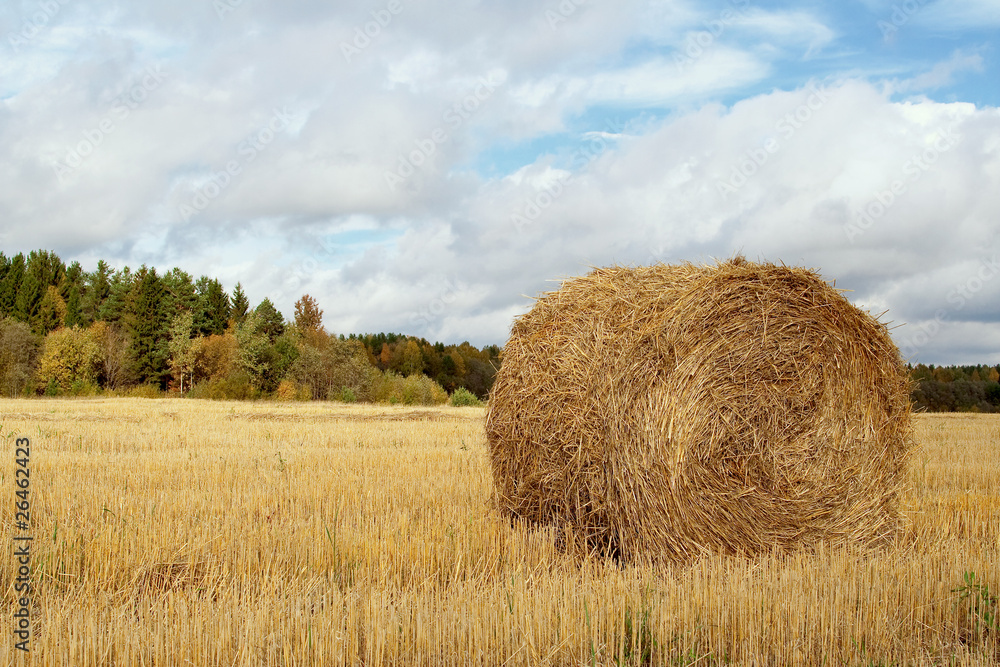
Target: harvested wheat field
(182,532)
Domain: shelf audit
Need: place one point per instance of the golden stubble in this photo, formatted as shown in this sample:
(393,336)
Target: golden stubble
(178,532)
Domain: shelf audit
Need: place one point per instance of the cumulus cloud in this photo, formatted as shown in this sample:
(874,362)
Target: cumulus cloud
(341,151)
(805,176)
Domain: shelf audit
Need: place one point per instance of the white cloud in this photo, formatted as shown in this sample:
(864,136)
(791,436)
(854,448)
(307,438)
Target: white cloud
(959,14)
(658,197)
(665,82)
(941,74)
(796,28)
(723,149)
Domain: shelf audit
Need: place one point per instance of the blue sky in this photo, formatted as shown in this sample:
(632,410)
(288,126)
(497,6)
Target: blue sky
(427,167)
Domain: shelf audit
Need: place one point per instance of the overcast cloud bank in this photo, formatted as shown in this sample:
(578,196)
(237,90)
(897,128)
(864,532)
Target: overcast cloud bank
(425,168)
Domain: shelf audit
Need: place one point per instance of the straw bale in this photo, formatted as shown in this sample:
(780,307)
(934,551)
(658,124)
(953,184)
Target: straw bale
(664,412)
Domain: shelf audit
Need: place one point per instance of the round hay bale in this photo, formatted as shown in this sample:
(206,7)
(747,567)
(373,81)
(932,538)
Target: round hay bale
(667,411)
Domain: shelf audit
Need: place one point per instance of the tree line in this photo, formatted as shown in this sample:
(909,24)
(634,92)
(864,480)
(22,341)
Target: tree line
(956,388)
(66,330)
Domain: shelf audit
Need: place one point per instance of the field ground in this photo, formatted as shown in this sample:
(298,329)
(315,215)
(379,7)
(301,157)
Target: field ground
(180,532)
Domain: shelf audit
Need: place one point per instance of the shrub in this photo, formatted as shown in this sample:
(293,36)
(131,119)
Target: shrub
(83,388)
(18,357)
(143,391)
(462,397)
(235,386)
(417,389)
(289,390)
(326,365)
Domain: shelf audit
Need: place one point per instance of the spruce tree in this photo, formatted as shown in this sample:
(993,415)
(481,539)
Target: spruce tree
(148,326)
(74,286)
(212,314)
(11,283)
(218,307)
(29,299)
(72,276)
(240,305)
(115,306)
(73,313)
(180,296)
(4,268)
(273,321)
(42,270)
(96,291)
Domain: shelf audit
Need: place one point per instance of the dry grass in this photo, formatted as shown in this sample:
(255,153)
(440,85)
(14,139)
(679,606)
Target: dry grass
(667,412)
(179,532)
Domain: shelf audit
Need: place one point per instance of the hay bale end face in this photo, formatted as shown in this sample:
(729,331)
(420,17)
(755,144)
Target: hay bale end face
(668,411)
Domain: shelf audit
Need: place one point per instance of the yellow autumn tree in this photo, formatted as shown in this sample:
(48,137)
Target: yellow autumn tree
(69,357)
(51,311)
(214,357)
(413,360)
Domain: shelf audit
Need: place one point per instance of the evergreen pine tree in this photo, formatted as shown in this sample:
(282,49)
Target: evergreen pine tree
(73,276)
(240,305)
(148,327)
(180,296)
(115,306)
(216,307)
(74,282)
(96,291)
(11,284)
(29,298)
(47,266)
(273,323)
(212,312)
(201,324)
(73,313)
(4,268)
(42,270)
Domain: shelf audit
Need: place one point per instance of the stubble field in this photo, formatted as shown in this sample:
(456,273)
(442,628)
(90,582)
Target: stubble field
(181,532)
